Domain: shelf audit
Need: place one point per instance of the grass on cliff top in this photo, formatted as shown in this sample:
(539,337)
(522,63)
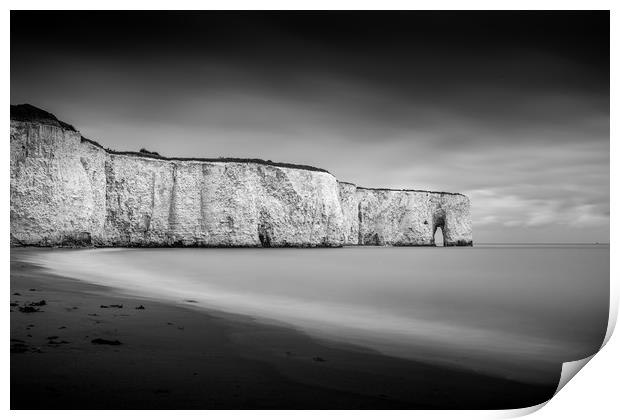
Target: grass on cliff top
(408,190)
(30,113)
(154,155)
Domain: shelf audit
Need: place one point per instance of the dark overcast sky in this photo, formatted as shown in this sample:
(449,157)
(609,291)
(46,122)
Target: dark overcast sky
(511,108)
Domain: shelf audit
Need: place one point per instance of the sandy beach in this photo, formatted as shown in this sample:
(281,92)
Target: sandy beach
(88,347)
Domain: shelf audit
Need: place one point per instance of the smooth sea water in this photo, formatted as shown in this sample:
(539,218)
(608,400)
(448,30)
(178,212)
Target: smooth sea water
(513,311)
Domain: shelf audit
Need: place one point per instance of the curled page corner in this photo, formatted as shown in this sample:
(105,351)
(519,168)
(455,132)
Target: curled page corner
(570,369)
(613,312)
(520,412)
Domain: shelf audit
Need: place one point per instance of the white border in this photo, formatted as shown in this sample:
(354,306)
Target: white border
(592,394)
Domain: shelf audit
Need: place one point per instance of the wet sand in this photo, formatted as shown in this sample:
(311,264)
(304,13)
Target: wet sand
(179,357)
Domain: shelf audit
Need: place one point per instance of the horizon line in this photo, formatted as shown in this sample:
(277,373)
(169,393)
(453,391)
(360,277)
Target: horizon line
(541,243)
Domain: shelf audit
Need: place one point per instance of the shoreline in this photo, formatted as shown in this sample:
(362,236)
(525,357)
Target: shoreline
(177,357)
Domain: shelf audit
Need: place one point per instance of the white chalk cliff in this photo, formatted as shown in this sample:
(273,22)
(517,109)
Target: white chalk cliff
(70,191)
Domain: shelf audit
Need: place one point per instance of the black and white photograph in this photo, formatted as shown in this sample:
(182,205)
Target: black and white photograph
(306,210)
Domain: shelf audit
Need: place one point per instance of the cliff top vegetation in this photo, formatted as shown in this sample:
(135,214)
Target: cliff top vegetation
(30,113)
(408,190)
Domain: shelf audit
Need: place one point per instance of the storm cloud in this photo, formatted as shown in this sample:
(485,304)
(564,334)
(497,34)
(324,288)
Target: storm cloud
(510,108)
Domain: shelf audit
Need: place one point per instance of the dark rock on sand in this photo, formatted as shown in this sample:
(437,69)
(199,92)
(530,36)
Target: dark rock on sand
(29,309)
(39,303)
(56,343)
(140,307)
(19,348)
(104,341)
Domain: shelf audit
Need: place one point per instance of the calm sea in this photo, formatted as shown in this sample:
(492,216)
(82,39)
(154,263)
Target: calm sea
(513,311)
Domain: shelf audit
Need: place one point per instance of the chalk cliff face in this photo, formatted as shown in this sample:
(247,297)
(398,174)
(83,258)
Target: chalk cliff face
(350,212)
(66,190)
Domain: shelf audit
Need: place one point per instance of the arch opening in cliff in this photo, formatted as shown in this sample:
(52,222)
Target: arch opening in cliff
(439,222)
(438,236)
